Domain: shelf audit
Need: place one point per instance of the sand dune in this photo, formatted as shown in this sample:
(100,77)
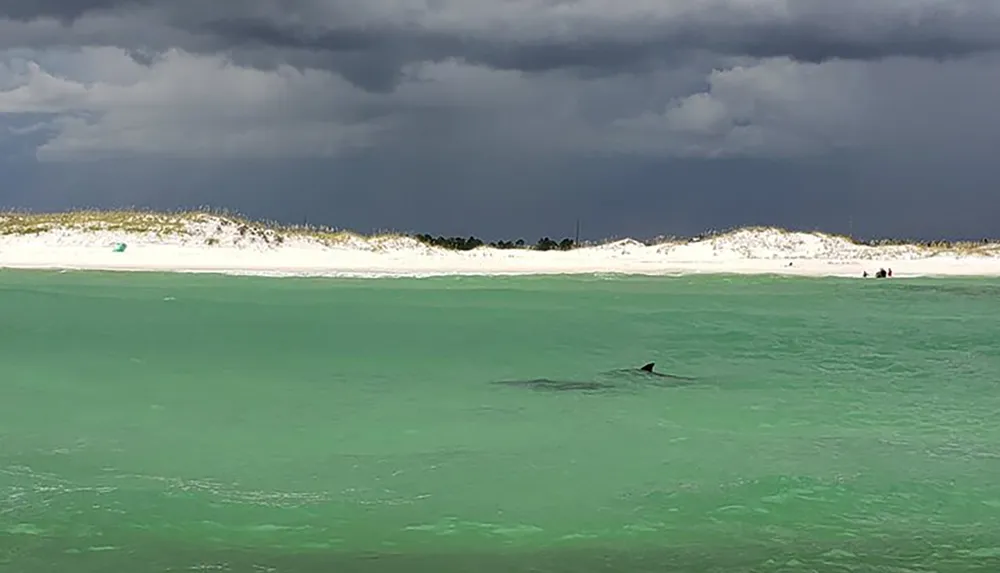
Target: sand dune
(198,242)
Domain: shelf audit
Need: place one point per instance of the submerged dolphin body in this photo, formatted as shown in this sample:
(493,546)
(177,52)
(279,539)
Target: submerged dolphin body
(558,385)
(614,380)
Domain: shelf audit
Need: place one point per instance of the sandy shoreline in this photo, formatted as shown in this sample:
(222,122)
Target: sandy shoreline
(216,245)
(194,262)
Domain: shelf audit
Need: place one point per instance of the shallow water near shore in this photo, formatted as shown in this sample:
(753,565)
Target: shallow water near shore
(167,422)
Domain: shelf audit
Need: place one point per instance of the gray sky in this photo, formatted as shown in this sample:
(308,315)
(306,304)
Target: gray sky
(511,118)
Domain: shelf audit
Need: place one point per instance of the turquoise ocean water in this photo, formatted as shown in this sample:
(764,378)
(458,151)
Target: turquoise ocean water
(153,423)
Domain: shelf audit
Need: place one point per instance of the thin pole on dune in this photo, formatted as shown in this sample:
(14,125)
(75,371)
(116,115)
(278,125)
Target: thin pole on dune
(576,240)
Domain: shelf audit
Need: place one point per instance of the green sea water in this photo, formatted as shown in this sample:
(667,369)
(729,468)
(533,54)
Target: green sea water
(156,422)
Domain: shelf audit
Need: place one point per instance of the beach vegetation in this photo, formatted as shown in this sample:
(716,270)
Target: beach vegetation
(450,243)
(984,246)
(547,244)
(20,223)
(469,243)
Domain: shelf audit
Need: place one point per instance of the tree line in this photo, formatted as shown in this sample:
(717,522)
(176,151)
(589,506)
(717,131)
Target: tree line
(469,243)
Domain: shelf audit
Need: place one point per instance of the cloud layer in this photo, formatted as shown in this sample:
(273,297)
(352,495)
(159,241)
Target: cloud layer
(311,77)
(521,34)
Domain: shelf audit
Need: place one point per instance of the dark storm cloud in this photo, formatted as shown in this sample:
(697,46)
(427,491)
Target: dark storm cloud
(370,46)
(803,39)
(63,10)
(731,194)
(638,117)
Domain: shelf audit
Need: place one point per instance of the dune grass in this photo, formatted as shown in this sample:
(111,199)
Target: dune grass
(984,247)
(14,223)
(174,223)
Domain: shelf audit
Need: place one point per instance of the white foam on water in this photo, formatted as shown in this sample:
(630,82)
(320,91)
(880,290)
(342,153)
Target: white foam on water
(204,243)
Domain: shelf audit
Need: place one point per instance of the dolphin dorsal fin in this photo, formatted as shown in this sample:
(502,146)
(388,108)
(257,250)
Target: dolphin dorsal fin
(648,367)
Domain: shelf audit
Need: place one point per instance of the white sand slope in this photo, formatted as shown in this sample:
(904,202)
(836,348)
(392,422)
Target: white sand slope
(195,242)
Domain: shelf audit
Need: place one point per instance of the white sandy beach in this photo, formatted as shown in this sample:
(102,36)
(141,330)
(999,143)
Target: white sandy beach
(215,244)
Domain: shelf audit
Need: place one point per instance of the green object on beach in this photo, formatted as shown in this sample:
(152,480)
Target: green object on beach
(119,247)
(169,422)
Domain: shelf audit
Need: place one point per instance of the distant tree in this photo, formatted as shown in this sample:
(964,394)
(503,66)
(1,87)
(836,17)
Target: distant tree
(502,245)
(452,243)
(546,244)
(469,243)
